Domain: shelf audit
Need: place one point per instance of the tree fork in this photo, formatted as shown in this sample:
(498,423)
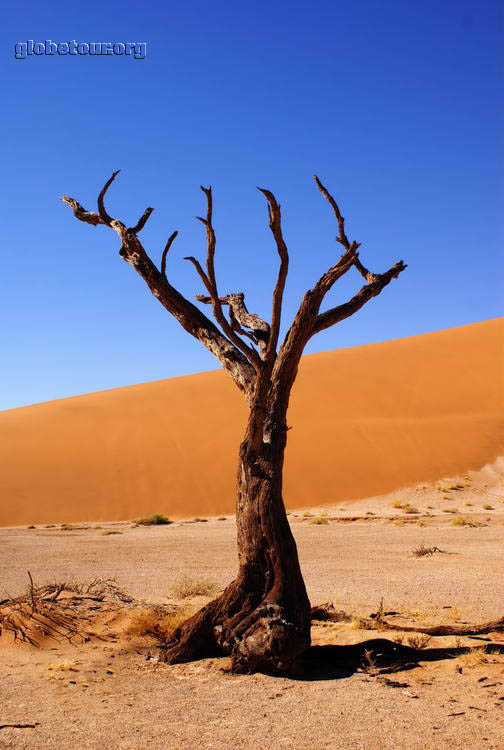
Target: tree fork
(263,617)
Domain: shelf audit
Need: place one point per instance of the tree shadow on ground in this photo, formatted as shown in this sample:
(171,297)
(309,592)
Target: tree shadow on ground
(375,656)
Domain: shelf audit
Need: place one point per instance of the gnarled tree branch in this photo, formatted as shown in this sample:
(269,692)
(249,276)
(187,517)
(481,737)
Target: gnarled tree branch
(367,292)
(240,316)
(210,283)
(189,316)
(275,224)
(166,251)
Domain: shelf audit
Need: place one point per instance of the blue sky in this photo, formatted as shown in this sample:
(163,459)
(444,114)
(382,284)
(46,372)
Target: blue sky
(397,106)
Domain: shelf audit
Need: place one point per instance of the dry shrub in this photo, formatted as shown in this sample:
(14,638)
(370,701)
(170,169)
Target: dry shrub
(307,514)
(396,504)
(156,622)
(450,510)
(322,520)
(423,551)
(410,509)
(108,532)
(188,586)
(155,519)
(418,641)
(488,507)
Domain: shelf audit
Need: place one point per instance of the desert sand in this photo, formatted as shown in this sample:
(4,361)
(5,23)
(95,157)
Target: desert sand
(366,420)
(110,693)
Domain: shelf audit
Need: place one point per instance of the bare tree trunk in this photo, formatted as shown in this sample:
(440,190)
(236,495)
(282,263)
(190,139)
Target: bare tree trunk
(263,618)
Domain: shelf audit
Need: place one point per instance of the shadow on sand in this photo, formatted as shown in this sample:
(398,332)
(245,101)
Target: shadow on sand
(330,662)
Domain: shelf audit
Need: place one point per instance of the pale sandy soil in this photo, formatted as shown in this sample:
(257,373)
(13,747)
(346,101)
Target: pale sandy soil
(114,697)
(366,420)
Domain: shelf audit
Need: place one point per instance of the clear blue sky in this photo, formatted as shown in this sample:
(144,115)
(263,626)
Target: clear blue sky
(396,105)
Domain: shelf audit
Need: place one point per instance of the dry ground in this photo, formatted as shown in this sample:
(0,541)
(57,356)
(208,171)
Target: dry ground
(108,693)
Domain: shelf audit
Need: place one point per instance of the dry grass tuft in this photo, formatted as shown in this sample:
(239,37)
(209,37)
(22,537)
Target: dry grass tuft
(450,510)
(108,532)
(358,623)
(155,519)
(321,520)
(188,586)
(474,657)
(154,621)
(488,507)
(410,509)
(461,521)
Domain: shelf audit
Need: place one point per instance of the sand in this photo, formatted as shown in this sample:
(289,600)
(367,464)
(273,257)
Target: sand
(110,693)
(366,420)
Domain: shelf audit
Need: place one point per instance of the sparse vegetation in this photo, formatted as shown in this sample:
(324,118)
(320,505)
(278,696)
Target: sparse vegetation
(461,521)
(474,657)
(423,551)
(410,509)
(450,510)
(307,514)
(155,519)
(396,504)
(321,520)
(188,586)
(108,532)
(63,666)
(488,507)
(418,641)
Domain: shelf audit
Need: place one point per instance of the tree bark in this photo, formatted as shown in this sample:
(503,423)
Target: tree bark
(263,618)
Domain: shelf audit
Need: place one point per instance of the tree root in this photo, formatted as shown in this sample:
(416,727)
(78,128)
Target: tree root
(258,635)
(326,612)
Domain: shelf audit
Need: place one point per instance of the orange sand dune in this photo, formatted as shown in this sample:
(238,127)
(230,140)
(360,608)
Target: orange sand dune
(366,420)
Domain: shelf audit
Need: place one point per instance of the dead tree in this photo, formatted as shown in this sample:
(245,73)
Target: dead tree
(262,619)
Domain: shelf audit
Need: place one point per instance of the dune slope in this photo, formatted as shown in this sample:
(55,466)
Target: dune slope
(365,420)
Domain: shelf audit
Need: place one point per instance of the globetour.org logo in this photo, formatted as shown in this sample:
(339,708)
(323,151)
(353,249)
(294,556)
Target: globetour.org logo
(137,50)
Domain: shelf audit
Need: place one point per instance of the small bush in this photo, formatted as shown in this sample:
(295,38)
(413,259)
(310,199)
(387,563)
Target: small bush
(306,514)
(222,518)
(410,509)
(396,504)
(488,507)
(450,510)
(200,520)
(418,641)
(188,586)
(322,520)
(155,519)
(108,532)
